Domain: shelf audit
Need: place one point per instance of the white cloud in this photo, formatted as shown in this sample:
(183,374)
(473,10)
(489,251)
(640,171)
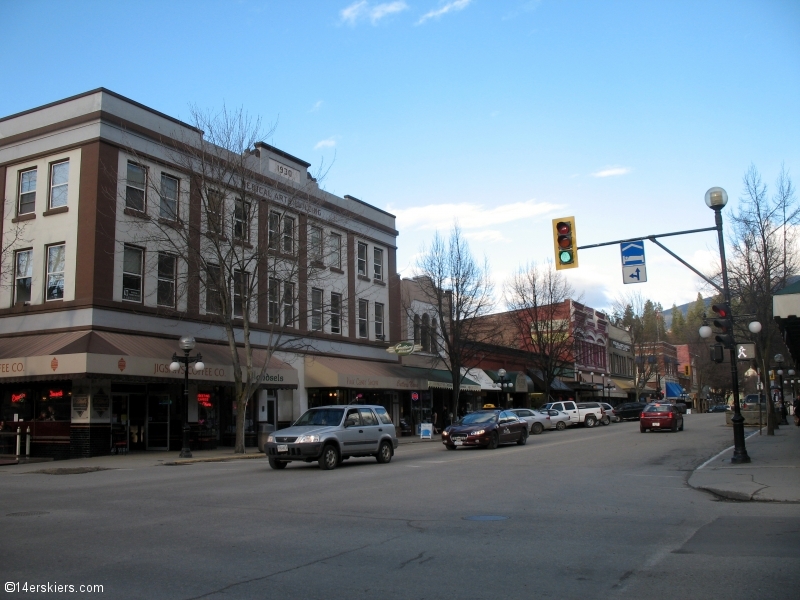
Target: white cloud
(329,143)
(469,216)
(439,12)
(317,106)
(488,235)
(362,10)
(612,172)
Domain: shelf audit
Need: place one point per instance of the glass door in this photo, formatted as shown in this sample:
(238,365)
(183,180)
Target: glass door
(158,421)
(119,423)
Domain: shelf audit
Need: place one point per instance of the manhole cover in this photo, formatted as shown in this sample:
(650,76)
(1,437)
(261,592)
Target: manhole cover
(29,513)
(485,518)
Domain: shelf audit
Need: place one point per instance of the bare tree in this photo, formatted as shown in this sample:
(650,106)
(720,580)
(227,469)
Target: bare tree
(12,237)
(764,256)
(461,291)
(539,315)
(243,243)
(639,317)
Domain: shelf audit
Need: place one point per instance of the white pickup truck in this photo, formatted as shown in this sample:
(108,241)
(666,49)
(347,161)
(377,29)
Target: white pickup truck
(588,413)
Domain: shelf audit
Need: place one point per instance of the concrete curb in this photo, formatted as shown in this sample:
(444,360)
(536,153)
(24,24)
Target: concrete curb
(191,461)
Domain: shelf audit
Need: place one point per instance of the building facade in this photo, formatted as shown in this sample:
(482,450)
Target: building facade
(107,237)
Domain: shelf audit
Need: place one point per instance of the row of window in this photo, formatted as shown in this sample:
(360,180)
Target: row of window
(57,187)
(54,274)
(425,333)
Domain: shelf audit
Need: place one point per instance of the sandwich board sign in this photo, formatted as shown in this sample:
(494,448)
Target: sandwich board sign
(634,269)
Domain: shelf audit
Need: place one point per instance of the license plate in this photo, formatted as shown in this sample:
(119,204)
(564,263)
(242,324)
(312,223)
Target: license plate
(283,447)
(656,424)
(458,443)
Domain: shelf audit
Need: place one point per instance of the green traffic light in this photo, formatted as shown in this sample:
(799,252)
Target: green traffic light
(565,257)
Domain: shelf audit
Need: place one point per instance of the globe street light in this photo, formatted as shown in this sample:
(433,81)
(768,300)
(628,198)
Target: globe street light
(716,198)
(187,344)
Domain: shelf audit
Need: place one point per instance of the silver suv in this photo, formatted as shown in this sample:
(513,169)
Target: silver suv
(331,434)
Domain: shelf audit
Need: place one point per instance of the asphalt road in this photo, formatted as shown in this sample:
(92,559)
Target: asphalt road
(598,513)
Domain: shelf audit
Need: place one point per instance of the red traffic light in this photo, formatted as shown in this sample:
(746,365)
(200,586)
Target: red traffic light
(722,310)
(563,228)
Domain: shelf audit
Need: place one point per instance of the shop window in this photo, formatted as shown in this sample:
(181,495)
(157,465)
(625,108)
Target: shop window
(132,262)
(23,276)
(135,187)
(336,313)
(59,183)
(169,198)
(26,202)
(55,272)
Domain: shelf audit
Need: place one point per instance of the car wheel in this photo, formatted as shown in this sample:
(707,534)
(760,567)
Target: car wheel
(681,427)
(450,446)
(494,441)
(561,426)
(329,458)
(523,438)
(642,430)
(605,420)
(384,453)
(536,428)
(277,464)
(675,427)
(589,421)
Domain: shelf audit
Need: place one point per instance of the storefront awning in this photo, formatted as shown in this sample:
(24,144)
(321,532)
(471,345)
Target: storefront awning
(521,382)
(674,390)
(623,384)
(480,377)
(330,372)
(557,385)
(100,353)
(443,380)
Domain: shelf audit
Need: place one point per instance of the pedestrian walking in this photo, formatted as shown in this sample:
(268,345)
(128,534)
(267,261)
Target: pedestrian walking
(796,410)
(434,418)
(784,413)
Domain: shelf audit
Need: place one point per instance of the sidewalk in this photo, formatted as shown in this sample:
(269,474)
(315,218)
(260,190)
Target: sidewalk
(772,475)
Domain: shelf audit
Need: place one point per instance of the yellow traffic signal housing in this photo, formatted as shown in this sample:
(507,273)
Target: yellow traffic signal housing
(565,243)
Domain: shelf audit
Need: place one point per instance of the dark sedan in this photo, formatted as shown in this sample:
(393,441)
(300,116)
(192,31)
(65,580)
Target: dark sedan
(659,416)
(629,410)
(486,428)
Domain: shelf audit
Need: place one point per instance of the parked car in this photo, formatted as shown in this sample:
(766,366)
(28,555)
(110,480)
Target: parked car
(660,416)
(588,413)
(629,410)
(486,428)
(751,402)
(609,415)
(536,421)
(331,434)
(718,408)
(558,420)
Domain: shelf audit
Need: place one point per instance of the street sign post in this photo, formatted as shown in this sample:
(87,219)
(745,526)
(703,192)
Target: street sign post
(634,269)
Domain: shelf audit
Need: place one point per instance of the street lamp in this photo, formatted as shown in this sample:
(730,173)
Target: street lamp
(716,198)
(779,360)
(502,374)
(186,344)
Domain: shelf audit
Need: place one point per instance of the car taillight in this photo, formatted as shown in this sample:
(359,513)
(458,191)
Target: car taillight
(670,415)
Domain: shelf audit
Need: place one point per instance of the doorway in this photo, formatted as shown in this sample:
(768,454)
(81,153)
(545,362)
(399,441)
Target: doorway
(158,406)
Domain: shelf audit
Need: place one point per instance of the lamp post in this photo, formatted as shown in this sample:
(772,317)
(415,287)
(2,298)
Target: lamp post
(186,344)
(502,374)
(716,198)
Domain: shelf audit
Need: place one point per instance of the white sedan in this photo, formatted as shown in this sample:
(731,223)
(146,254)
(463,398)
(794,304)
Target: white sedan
(558,420)
(534,419)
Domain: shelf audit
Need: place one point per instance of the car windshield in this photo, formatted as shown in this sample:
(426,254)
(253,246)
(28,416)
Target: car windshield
(321,416)
(479,417)
(658,408)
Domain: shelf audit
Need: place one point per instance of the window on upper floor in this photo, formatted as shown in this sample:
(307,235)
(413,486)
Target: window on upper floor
(55,272)
(316,309)
(315,243)
(213,286)
(215,212)
(363,318)
(288,235)
(169,197)
(336,250)
(426,333)
(135,186)
(241,220)
(336,313)
(379,333)
(288,304)
(362,259)
(165,292)
(26,203)
(241,292)
(59,183)
(274,224)
(23,276)
(132,263)
(377,264)
(273,306)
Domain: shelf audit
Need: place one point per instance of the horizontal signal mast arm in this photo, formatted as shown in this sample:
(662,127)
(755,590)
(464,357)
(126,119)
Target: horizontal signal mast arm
(647,237)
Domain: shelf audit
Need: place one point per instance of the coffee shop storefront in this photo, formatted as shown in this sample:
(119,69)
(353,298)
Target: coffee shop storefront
(89,393)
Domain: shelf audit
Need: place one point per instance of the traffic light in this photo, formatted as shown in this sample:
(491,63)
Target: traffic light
(565,243)
(724,324)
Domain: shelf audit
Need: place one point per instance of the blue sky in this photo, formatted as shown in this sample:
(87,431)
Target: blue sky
(503,114)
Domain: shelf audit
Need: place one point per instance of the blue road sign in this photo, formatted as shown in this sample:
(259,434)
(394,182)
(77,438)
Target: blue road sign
(632,253)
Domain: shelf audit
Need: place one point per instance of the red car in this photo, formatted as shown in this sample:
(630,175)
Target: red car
(659,416)
(486,428)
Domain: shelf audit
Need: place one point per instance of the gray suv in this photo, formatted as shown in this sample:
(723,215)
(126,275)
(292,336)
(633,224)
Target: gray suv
(331,434)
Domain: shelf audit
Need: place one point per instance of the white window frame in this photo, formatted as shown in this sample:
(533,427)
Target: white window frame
(379,315)
(165,211)
(363,318)
(215,212)
(238,311)
(166,279)
(129,186)
(54,275)
(336,313)
(315,243)
(241,220)
(27,275)
(131,275)
(273,301)
(336,250)
(287,236)
(59,188)
(287,302)
(317,296)
(213,290)
(361,261)
(377,263)
(29,192)
(274,227)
